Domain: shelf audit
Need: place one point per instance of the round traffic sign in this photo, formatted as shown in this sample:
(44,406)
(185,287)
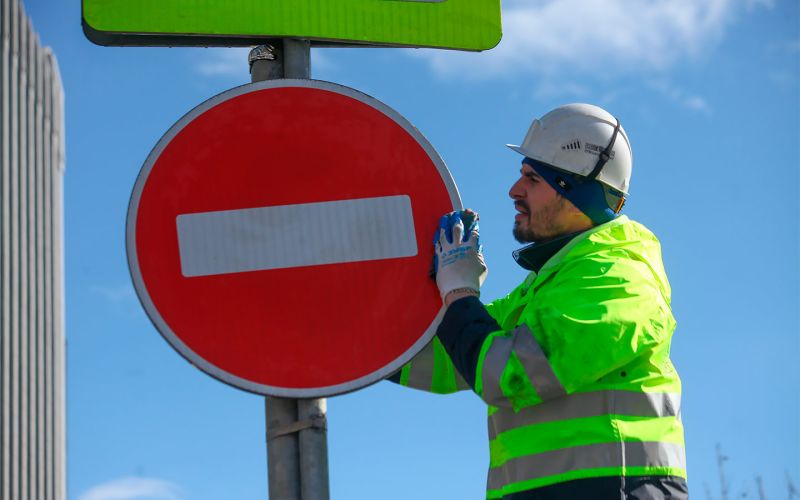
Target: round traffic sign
(278,237)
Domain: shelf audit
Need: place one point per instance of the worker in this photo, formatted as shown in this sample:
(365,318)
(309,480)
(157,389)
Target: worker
(583,400)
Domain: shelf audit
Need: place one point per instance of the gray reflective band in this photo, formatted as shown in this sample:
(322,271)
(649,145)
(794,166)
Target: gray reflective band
(421,374)
(536,364)
(448,370)
(593,456)
(588,404)
(493,365)
(461,384)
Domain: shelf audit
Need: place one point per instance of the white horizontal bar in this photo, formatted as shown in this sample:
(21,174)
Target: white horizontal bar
(309,234)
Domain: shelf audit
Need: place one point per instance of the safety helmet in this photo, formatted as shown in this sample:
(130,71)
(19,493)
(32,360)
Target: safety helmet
(584,140)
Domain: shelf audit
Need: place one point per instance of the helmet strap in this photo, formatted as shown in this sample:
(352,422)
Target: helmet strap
(605,155)
(621,204)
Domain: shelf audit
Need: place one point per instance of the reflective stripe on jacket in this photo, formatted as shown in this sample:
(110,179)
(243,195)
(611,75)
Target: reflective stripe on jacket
(577,378)
(431,370)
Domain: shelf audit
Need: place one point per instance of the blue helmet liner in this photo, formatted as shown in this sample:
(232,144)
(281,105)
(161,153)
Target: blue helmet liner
(590,196)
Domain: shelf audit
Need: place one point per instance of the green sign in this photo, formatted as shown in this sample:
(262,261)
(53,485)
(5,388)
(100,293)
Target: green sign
(452,24)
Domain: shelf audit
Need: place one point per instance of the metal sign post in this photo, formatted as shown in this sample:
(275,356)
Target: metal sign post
(297,446)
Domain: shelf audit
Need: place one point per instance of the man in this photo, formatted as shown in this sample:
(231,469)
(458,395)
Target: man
(573,364)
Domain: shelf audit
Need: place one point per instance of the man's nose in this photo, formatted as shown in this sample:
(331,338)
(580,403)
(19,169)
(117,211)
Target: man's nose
(516,192)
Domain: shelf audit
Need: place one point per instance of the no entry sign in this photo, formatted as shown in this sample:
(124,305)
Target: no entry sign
(279,235)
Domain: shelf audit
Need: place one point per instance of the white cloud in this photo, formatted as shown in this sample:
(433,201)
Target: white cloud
(134,488)
(550,89)
(783,47)
(754,4)
(224,62)
(783,58)
(681,97)
(321,61)
(597,38)
(697,103)
(115,294)
(121,298)
(783,79)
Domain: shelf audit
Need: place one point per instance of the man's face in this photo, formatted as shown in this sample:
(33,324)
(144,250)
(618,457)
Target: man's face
(542,211)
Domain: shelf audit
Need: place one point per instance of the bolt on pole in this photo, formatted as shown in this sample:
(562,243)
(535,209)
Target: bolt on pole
(297,445)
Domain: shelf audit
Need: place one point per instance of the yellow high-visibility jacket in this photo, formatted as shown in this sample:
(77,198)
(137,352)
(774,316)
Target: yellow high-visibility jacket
(574,366)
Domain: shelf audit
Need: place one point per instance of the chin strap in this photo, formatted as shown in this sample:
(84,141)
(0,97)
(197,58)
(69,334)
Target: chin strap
(621,204)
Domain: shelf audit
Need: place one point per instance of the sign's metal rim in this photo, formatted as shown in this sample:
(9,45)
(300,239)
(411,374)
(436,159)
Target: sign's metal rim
(166,331)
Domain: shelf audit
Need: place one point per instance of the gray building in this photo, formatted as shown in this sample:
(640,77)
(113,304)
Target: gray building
(32,430)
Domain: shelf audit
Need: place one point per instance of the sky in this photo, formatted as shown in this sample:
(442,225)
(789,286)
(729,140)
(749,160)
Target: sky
(709,94)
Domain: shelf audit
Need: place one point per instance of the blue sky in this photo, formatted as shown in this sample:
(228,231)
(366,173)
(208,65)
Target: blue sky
(709,94)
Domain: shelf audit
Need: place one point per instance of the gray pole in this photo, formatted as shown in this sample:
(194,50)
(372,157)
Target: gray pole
(296,58)
(283,465)
(313,449)
(297,446)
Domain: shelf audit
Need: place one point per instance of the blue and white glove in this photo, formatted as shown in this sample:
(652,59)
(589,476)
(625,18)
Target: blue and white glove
(458,259)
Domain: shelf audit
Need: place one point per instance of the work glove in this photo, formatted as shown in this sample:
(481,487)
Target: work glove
(458,256)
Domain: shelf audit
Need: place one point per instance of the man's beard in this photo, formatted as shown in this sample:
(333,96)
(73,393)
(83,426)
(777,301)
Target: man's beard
(545,218)
(524,235)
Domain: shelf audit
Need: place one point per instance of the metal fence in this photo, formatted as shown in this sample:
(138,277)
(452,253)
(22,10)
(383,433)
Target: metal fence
(32,433)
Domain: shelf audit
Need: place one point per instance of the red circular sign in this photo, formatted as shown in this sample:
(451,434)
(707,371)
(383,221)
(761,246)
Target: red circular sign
(279,238)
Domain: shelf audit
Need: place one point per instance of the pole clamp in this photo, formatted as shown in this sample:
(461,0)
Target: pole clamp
(315,422)
(264,52)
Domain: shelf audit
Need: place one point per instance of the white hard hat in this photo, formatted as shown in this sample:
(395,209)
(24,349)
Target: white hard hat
(574,138)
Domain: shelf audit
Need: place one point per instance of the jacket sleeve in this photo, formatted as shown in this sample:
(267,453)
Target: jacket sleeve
(431,370)
(443,366)
(590,319)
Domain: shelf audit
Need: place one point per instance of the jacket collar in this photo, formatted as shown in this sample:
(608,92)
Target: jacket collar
(532,257)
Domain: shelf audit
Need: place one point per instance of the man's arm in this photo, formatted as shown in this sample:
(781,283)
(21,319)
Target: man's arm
(433,369)
(460,272)
(463,330)
(457,248)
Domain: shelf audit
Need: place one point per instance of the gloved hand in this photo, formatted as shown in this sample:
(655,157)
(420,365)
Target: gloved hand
(458,255)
